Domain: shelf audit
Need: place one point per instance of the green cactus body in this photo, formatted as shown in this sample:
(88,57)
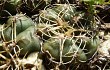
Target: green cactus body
(28,41)
(55,48)
(20,21)
(91,46)
(62,12)
(68,52)
(67,12)
(48,15)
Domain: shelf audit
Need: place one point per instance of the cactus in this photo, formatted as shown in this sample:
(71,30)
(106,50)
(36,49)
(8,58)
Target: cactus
(63,50)
(66,34)
(74,25)
(91,46)
(58,12)
(28,41)
(67,17)
(18,23)
(59,22)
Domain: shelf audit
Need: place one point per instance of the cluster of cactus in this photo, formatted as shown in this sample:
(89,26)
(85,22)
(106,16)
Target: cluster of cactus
(63,34)
(68,34)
